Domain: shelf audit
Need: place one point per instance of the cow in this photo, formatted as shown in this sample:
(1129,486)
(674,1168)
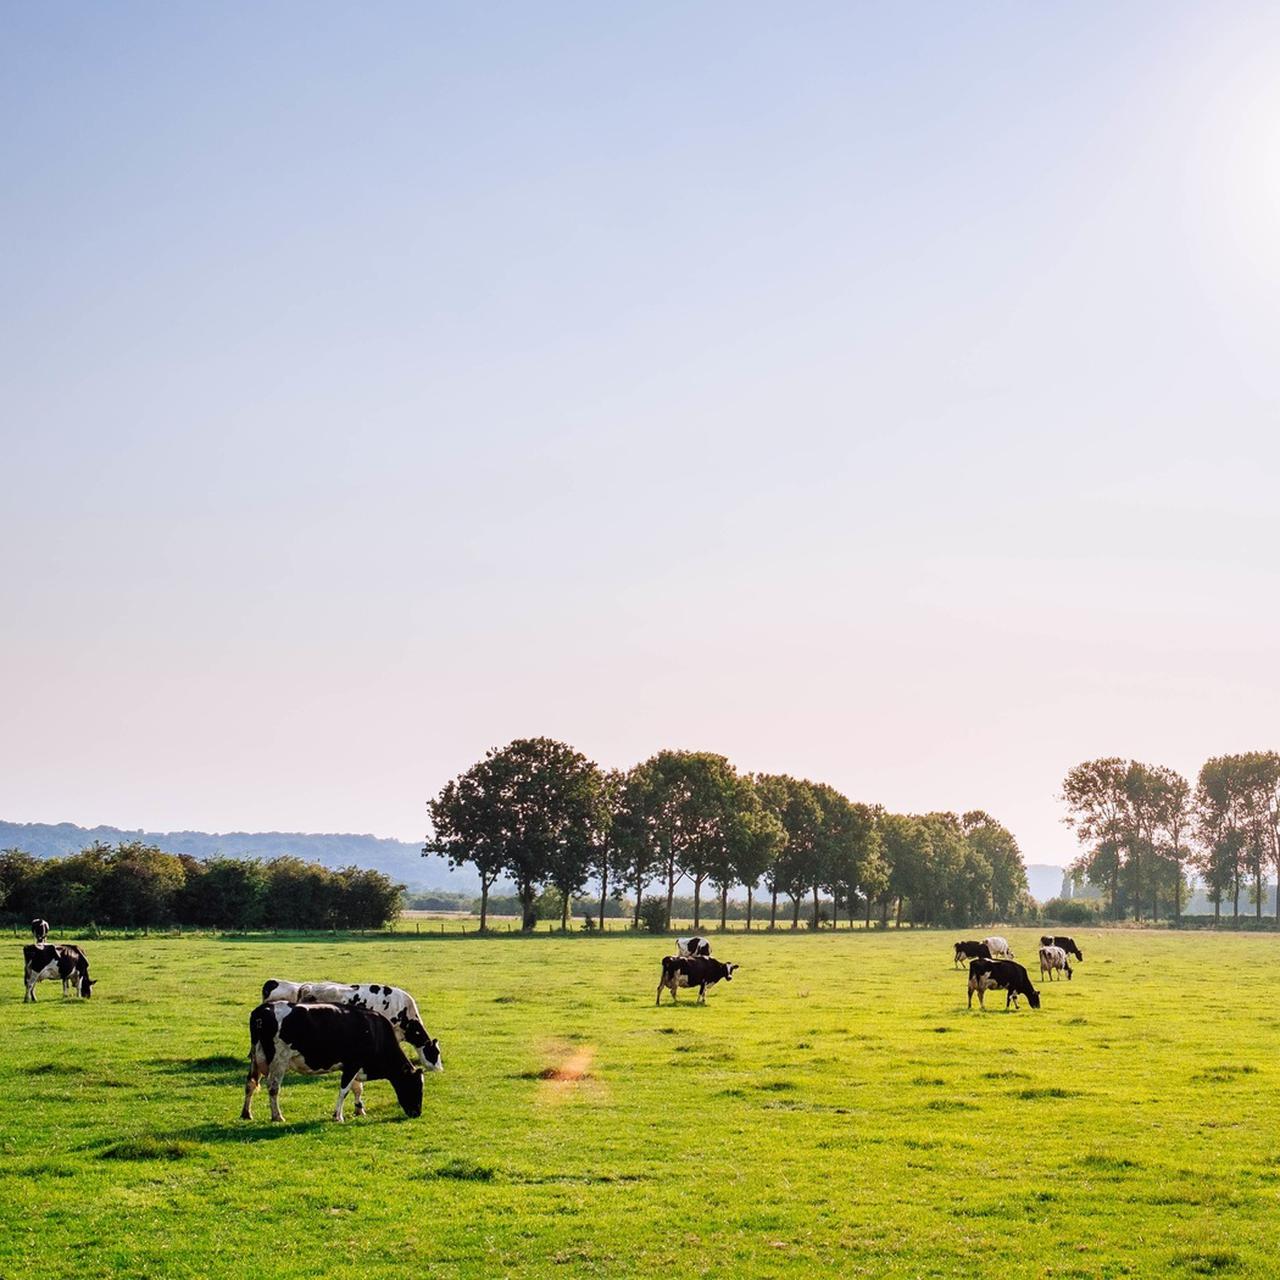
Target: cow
(39,930)
(1061,940)
(395,1004)
(63,961)
(319,1038)
(1053,959)
(1001,975)
(692,971)
(999,948)
(971,951)
(694,946)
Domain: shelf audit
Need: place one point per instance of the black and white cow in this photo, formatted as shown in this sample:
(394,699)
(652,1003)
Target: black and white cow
(694,946)
(39,930)
(1053,960)
(692,971)
(319,1038)
(971,951)
(1061,940)
(63,961)
(393,1003)
(1001,975)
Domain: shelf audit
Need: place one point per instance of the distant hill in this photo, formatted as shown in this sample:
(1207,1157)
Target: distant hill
(1045,881)
(397,858)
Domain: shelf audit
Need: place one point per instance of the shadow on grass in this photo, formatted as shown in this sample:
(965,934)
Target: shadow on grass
(218,1065)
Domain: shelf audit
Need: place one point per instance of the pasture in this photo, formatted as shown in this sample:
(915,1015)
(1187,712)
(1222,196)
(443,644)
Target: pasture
(835,1109)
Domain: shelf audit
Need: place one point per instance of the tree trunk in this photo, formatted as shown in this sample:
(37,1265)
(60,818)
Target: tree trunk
(724,904)
(749,904)
(815,908)
(564,912)
(868,913)
(1235,910)
(795,912)
(773,910)
(484,903)
(635,923)
(671,890)
(530,916)
(697,903)
(897,915)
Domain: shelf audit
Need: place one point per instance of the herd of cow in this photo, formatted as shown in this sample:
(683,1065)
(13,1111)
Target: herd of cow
(357,1028)
(993,968)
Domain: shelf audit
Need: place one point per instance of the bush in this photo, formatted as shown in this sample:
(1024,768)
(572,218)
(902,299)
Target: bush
(1070,911)
(653,915)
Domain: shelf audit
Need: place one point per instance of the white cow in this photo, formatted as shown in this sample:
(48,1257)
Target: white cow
(1053,959)
(999,948)
(393,1003)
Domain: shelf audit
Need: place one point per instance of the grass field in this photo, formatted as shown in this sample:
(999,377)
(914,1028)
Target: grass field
(834,1110)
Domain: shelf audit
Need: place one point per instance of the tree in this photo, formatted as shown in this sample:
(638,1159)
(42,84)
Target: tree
(758,839)
(1219,805)
(998,848)
(797,808)
(530,810)
(607,851)
(847,841)
(1097,798)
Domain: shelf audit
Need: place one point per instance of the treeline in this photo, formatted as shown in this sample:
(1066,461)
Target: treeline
(137,885)
(1146,829)
(541,814)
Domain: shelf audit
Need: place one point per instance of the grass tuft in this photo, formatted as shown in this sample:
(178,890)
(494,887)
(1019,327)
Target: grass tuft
(150,1149)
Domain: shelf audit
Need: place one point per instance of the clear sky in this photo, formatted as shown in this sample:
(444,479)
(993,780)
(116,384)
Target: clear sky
(885,394)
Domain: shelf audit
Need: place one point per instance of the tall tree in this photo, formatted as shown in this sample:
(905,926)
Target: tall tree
(796,807)
(1097,800)
(531,809)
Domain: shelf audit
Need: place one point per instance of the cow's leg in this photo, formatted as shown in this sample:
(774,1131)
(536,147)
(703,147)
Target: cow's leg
(357,1091)
(971,995)
(348,1079)
(659,999)
(273,1092)
(31,990)
(250,1088)
(702,993)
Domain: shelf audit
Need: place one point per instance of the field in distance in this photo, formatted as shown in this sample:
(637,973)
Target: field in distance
(834,1110)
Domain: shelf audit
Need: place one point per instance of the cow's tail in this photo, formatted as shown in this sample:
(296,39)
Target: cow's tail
(261,1036)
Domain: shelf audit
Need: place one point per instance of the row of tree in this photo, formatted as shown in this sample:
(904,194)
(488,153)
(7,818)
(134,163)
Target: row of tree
(1146,830)
(541,814)
(135,884)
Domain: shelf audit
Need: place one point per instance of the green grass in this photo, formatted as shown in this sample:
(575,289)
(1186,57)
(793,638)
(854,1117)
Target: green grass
(835,1110)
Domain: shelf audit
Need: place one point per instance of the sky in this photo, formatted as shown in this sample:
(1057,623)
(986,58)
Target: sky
(881,394)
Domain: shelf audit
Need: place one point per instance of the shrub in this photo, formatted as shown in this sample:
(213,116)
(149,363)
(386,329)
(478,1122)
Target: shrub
(653,915)
(1070,911)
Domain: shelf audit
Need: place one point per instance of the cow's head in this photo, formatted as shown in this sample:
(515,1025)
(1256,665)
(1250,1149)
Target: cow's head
(408,1087)
(86,987)
(1033,997)
(728,971)
(428,1049)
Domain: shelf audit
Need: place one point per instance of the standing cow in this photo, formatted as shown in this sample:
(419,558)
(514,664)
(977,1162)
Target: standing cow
(998,948)
(692,971)
(694,946)
(1061,940)
(64,961)
(1052,961)
(971,951)
(1001,975)
(319,1038)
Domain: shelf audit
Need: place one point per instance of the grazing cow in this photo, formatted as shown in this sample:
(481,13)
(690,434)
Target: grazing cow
(971,951)
(694,946)
(39,930)
(692,971)
(999,948)
(1053,959)
(1061,940)
(395,1004)
(1001,975)
(62,961)
(319,1038)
